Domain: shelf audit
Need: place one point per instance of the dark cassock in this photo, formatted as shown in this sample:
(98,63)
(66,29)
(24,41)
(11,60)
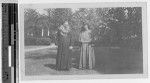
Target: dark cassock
(63,59)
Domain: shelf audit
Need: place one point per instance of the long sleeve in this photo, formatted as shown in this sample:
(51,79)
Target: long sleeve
(79,37)
(57,37)
(71,39)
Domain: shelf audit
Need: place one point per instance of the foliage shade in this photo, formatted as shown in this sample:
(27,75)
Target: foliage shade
(110,26)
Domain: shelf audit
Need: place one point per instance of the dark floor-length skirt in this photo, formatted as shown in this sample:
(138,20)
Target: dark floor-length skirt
(63,59)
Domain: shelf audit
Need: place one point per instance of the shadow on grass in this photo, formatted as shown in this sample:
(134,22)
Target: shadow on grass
(108,60)
(73,65)
(118,61)
(52,66)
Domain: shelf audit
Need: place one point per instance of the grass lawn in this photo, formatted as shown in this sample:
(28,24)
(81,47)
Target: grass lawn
(108,61)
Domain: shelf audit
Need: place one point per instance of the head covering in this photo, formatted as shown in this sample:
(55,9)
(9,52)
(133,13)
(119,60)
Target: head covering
(65,27)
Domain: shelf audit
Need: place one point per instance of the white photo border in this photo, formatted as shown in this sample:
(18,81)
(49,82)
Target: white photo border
(83,5)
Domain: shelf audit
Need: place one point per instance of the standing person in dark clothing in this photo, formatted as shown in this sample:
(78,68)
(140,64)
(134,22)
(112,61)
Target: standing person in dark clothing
(63,59)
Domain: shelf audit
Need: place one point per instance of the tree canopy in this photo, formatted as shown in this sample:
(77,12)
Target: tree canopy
(109,25)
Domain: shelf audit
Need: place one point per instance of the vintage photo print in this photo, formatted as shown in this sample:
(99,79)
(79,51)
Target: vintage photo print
(87,40)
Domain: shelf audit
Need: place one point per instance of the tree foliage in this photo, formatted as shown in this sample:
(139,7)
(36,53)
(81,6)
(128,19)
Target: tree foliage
(109,25)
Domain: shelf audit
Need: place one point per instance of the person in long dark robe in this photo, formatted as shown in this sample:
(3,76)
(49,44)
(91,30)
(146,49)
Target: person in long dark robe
(63,59)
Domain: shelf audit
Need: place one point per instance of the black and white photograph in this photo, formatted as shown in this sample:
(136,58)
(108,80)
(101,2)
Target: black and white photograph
(82,39)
